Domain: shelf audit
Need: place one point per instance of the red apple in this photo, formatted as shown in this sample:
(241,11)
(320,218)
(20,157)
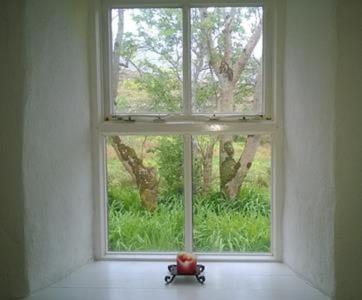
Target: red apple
(186,263)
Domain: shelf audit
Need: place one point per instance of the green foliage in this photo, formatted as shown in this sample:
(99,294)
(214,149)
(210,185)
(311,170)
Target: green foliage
(128,48)
(151,54)
(169,156)
(115,174)
(163,89)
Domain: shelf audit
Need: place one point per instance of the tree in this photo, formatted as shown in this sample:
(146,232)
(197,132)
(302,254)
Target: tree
(224,74)
(144,177)
(206,147)
(227,61)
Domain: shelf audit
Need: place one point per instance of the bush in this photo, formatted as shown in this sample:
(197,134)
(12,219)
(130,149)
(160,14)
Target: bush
(169,156)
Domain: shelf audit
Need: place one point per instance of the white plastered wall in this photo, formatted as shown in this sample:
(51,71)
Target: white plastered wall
(348,168)
(310,74)
(12,266)
(57,141)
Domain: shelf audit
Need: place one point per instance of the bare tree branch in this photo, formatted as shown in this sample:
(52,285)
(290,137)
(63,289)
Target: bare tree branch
(143,147)
(229,18)
(209,41)
(246,53)
(173,64)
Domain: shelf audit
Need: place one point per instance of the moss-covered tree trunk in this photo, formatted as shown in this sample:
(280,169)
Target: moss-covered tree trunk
(146,177)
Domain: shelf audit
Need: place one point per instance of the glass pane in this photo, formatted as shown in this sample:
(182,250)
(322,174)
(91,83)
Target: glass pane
(226,45)
(146,60)
(231,193)
(145,193)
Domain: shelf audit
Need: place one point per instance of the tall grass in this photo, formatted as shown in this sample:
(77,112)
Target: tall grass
(240,225)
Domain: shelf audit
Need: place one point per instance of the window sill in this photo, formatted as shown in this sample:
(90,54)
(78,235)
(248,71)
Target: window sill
(210,257)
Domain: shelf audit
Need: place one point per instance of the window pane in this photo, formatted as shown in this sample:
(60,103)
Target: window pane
(145,193)
(146,60)
(231,193)
(226,45)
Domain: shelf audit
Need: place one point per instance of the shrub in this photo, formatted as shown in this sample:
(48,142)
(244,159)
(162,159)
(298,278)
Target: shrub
(169,154)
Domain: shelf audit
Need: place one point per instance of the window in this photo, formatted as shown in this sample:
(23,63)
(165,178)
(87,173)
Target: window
(188,134)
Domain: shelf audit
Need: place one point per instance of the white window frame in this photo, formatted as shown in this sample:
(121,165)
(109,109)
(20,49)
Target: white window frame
(185,124)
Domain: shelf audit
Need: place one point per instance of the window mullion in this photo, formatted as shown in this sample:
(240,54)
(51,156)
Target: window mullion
(188,191)
(186,55)
(107,57)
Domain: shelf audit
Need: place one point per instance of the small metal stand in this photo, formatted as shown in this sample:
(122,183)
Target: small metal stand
(173,273)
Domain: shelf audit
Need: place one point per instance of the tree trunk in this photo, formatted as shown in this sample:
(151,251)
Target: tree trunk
(116,55)
(207,166)
(232,172)
(232,187)
(227,163)
(146,178)
(257,103)
(115,74)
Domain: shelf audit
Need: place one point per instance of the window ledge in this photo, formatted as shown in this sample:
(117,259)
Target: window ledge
(243,257)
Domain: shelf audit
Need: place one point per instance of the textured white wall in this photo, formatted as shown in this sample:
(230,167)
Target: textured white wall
(348,229)
(310,70)
(12,272)
(57,141)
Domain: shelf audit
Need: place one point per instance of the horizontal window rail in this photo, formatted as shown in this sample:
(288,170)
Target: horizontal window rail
(182,117)
(184,127)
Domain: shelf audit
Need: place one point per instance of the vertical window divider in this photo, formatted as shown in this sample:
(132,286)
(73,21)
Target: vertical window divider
(186,56)
(107,52)
(187,109)
(188,191)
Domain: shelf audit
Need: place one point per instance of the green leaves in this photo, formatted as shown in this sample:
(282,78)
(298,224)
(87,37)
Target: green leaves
(162,87)
(170,160)
(150,60)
